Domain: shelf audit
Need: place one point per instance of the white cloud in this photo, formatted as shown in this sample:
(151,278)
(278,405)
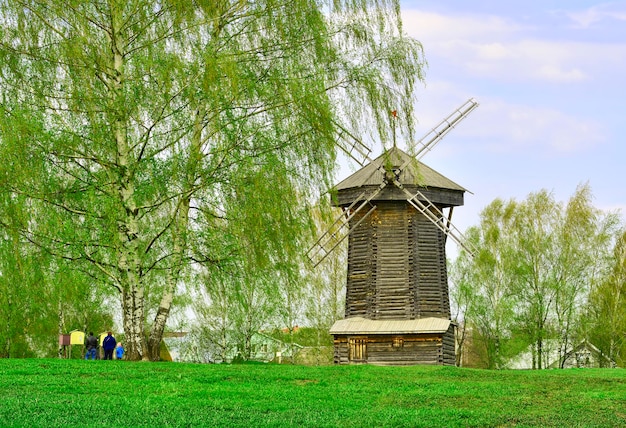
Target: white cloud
(429,26)
(615,208)
(589,17)
(500,126)
(517,128)
(494,51)
(528,59)
(492,47)
(555,74)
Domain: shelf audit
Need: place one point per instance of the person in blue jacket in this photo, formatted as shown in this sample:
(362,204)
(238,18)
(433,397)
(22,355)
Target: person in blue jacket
(119,351)
(108,344)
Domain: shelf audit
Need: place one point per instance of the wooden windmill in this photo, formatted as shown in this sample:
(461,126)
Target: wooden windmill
(397,304)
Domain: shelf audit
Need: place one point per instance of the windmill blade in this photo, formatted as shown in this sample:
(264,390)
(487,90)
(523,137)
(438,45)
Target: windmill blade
(427,142)
(436,217)
(436,134)
(360,153)
(340,229)
(353,147)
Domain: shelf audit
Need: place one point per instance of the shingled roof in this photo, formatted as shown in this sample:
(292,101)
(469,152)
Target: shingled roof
(415,173)
(358,325)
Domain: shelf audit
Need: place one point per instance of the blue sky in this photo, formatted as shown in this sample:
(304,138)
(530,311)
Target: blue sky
(550,77)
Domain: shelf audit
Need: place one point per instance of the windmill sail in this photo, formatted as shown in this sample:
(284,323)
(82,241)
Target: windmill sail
(352,146)
(422,204)
(436,134)
(340,229)
(359,152)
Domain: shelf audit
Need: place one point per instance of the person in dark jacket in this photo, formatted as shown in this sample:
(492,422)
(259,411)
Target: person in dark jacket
(91,343)
(108,344)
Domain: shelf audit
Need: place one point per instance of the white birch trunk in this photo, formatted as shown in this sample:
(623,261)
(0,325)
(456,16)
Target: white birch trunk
(165,305)
(179,238)
(128,260)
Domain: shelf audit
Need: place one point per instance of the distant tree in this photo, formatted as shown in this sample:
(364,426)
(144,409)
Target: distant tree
(584,238)
(606,310)
(481,286)
(214,326)
(562,252)
(536,267)
(537,263)
(148,124)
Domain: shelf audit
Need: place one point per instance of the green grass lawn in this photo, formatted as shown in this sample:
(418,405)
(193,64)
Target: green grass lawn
(47,393)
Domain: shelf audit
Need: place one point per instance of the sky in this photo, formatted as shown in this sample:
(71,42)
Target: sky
(550,78)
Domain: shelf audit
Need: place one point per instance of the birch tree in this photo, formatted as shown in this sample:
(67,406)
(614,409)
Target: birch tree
(538,261)
(606,311)
(562,252)
(481,293)
(584,239)
(149,122)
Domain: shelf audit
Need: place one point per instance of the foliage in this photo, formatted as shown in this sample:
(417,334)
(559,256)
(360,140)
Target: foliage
(74,393)
(305,336)
(606,310)
(326,285)
(42,297)
(167,139)
(538,261)
(231,305)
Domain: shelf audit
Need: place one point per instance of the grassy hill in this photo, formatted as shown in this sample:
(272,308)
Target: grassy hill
(119,393)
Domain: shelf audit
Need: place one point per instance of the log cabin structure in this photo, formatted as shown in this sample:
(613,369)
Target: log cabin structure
(397,309)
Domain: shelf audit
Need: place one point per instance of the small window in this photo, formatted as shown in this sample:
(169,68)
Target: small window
(398,342)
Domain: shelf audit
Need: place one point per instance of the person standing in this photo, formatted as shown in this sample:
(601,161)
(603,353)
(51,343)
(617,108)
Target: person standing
(108,344)
(91,343)
(119,351)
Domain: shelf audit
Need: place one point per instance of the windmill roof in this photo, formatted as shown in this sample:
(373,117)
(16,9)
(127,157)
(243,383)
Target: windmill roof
(415,173)
(358,325)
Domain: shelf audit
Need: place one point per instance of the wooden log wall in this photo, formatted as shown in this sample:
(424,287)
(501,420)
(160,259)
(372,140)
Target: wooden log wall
(414,349)
(396,266)
(342,353)
(391,255)
(430,269)
(449,346)
(359,284)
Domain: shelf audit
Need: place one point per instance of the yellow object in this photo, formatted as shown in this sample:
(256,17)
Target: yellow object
(77,337)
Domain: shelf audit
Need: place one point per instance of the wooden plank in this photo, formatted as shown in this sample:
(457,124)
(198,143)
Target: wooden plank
(397,270)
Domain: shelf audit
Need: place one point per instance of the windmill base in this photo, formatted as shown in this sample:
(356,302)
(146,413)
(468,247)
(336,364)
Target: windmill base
(396,349)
